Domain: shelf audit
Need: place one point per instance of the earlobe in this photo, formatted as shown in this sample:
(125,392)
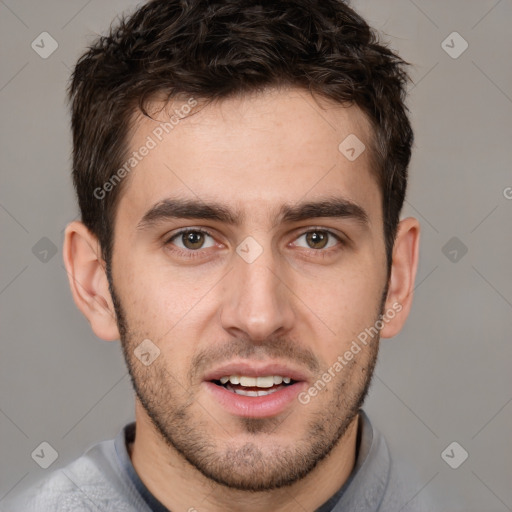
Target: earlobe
(403,275)
(88,280)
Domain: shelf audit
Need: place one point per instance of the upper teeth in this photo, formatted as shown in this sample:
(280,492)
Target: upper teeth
(261,382)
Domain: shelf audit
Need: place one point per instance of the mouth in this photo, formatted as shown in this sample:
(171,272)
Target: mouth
(254,386)
(254,391)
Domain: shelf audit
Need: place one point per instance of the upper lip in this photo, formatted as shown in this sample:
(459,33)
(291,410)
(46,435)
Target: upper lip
(255,369)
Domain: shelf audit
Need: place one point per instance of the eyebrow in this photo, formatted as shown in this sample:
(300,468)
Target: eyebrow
(176,208)
(335,207)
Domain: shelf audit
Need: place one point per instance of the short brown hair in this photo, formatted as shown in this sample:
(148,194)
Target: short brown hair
(214,49)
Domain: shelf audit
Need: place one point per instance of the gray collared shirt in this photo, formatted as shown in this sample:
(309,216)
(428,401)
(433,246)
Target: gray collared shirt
(104,479)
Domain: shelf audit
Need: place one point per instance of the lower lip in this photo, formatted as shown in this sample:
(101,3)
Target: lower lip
(255,406)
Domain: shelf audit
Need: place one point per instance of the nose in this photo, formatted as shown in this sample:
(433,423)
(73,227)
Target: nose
(257,300)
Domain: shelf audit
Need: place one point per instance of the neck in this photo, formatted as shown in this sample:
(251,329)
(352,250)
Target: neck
(180,486)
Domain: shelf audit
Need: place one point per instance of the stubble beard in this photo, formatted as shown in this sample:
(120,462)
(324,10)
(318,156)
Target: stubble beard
(254,465)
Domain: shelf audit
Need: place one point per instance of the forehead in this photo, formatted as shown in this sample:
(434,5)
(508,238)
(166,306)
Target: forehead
(255,153)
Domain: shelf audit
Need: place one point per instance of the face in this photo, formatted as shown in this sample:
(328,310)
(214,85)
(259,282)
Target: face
(248,247)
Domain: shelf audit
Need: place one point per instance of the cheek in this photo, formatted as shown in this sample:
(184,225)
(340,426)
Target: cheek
(345,304)
(169,308)
(157,305)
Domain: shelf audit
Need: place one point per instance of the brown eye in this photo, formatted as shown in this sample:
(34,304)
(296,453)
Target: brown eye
(317,239)
(192,240)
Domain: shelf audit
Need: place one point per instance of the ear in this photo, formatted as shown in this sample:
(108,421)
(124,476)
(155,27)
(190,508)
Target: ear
(403,274)
(88,280)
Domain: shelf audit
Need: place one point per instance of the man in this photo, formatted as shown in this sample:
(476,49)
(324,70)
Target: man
(240,169)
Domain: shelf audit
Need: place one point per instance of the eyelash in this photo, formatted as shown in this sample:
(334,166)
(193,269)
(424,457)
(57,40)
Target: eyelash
(198,253)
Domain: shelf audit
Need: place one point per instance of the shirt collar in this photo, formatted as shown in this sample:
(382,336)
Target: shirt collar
(366,485)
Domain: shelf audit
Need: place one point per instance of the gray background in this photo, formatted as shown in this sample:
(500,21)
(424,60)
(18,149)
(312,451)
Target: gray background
(445,378)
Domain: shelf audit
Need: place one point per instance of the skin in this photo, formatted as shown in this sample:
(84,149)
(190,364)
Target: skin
(299,303)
